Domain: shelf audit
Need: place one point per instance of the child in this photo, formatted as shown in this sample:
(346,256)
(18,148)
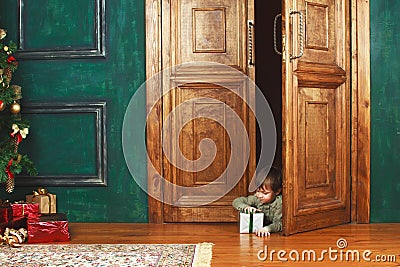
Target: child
(267,199)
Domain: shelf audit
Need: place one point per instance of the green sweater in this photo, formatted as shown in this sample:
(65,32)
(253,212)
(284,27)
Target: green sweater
(272,211)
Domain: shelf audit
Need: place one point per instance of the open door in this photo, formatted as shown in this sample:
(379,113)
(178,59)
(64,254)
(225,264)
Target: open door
(316,114)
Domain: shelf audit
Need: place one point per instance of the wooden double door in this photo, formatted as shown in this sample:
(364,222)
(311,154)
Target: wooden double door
(315,114)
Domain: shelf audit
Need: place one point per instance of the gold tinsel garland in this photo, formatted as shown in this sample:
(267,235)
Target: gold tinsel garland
(13,238)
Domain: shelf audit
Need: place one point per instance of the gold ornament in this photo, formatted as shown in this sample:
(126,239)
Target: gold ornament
(15,108)
(3,33)
(10,185)
(17,91)
(19,157)
(7,74)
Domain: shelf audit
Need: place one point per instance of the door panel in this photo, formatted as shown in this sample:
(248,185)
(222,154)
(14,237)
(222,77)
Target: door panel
(214,97)
(320,39)
(317,143)
(207,30)
(209,107)
(316,112)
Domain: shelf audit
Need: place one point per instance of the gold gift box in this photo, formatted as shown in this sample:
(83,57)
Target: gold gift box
(47,202)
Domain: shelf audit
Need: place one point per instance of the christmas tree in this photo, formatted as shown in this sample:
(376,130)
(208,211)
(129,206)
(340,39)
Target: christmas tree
(13,129)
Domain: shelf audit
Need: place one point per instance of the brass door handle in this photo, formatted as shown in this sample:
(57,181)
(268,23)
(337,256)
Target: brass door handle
(301,34)
(250,27)
(275,46)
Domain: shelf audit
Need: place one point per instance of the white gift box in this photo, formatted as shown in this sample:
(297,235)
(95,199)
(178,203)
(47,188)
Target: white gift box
(249,223)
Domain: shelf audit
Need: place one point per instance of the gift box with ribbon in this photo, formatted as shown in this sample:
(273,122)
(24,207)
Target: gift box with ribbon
(24,209)
(46,201)
(8,219)
(48,228)
(5,212)
(250,222)
(14,223)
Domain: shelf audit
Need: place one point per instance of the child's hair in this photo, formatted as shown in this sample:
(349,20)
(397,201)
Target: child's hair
(272,179)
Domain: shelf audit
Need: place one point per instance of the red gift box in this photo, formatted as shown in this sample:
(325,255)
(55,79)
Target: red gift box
(48,228)
(2,227)
(24,209)
(15,223)
(5,213)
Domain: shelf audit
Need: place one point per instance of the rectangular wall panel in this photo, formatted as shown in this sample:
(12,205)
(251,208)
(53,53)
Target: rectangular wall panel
(50,30)
(76,152)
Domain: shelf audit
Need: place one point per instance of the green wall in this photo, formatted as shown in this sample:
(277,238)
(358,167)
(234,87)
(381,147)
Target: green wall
(65,143)
(385,110)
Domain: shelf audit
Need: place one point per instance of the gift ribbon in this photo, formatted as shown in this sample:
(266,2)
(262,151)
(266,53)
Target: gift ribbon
(251,223)
(8,171)
(11,59)
(42,192)
(22,203)
(18,137)
(18,133)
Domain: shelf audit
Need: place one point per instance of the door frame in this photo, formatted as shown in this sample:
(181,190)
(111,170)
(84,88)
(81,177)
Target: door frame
(360,105)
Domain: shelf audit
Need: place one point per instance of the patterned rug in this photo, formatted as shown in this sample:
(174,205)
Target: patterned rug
(119,255)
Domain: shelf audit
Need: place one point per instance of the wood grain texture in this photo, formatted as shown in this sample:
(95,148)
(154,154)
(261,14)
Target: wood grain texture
(234,249)
(186,35)
(316,117)
(154,120)
(223,37)
(287,132)
(361,128)
(209,30)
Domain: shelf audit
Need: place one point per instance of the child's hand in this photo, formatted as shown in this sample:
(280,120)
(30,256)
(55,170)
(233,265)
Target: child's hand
(262,232)
(250,209)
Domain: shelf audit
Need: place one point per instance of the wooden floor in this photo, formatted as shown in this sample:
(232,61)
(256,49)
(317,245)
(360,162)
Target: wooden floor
(234,249)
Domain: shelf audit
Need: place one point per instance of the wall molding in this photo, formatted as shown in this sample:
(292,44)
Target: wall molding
(100,178)
(97,51)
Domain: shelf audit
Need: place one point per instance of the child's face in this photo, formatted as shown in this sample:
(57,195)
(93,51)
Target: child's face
(265,194)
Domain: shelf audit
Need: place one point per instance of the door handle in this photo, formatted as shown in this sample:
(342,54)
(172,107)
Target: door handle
(250,27)
(275,46)
(301,34)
